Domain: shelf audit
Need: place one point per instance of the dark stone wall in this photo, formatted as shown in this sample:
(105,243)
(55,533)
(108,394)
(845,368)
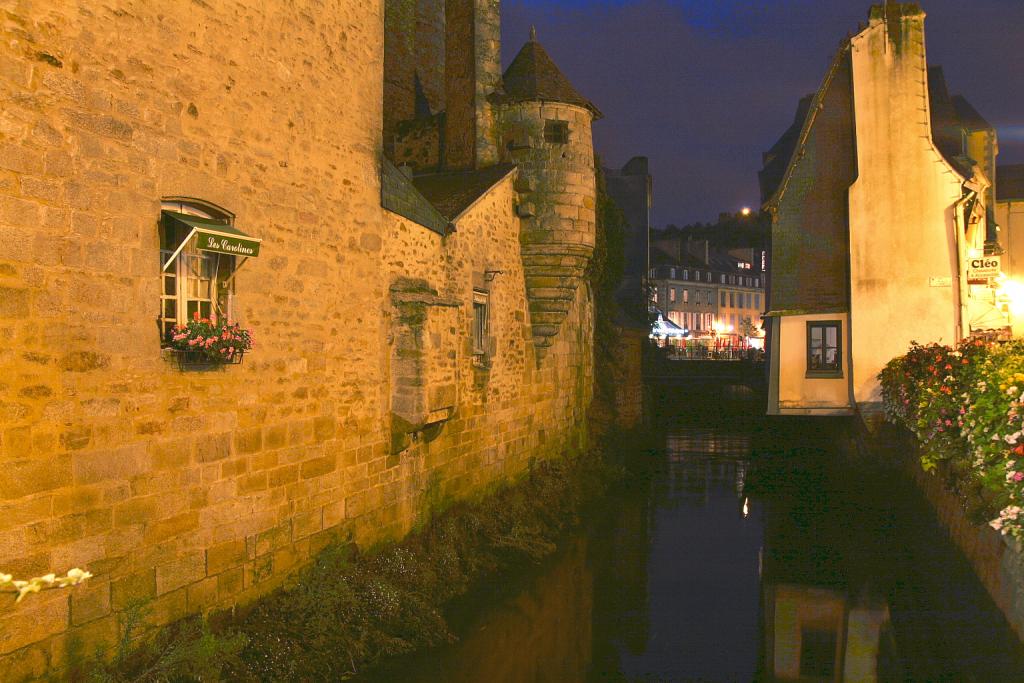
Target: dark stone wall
(810,229)
(472,72)
(630,189)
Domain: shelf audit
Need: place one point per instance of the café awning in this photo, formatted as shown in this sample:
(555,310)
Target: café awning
(212,235)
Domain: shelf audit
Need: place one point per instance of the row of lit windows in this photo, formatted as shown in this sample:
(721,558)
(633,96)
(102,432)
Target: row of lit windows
(704,296)
(723,278)
(740,300)
(700,296)
(692,321)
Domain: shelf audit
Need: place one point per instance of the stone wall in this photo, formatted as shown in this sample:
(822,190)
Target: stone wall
(559,197)
(629,379)
(198,491)
(510,408)
(997,560)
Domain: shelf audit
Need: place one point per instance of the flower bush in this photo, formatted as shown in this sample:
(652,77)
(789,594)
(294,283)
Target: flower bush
(211,340)
(966,406)
(37,583)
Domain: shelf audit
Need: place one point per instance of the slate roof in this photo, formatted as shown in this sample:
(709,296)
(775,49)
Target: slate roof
(1010,182)
(660,257)
(533,76)
(969,117)
(453,192)
(776,160)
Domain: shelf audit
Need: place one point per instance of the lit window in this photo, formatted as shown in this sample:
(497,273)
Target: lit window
(686,296)
(200,252)
(824,348)
(672,294)
(556,132)
(480,322)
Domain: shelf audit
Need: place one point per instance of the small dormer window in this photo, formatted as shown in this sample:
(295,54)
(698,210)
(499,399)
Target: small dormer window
(556,132)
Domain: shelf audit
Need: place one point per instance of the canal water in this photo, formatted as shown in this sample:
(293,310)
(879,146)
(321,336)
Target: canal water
(743,550)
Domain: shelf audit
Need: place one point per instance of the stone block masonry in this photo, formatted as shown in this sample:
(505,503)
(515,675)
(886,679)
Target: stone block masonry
(997,560)
(194,492)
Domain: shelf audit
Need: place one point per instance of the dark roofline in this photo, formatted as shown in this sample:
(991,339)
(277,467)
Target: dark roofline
(534,77)
(812,114)
(1010,182)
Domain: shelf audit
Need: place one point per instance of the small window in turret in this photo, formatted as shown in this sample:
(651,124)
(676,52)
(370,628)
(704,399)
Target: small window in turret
(556,132)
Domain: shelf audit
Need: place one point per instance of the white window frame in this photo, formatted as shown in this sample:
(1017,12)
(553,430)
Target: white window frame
(481,323)
(188,269)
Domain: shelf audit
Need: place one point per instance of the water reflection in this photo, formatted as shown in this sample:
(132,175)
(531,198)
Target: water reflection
(733,561)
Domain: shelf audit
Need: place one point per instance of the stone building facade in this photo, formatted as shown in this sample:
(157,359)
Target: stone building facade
(414,349)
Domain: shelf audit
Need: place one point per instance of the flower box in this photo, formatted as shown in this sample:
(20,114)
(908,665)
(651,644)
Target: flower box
(205,344)
(200,360)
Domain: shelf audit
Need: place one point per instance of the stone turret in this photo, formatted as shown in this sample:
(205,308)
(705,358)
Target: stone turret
(546,131)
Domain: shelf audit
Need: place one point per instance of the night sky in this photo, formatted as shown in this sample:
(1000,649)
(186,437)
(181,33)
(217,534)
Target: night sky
(703,87)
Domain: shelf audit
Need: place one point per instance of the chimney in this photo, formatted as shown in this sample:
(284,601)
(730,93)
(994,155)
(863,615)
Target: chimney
(472,73)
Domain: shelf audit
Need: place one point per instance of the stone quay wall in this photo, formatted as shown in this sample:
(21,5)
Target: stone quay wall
(198,491)
(997,560)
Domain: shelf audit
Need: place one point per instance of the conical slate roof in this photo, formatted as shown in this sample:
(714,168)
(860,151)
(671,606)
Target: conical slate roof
(533,76)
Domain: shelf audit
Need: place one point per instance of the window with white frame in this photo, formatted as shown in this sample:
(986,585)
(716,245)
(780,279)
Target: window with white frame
(824,348)
(480,321)
(194,281)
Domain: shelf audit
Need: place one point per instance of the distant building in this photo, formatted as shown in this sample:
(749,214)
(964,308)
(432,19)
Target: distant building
(1010,218)
(705,290)
(630,188)
(878,206)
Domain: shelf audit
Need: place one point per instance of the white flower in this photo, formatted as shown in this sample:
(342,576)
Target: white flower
(1012,391)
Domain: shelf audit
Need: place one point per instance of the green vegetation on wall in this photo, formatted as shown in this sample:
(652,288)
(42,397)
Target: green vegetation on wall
(966,407)
(604,275)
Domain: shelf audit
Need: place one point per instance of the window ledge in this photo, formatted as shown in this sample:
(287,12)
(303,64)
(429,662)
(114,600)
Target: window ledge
(823,374)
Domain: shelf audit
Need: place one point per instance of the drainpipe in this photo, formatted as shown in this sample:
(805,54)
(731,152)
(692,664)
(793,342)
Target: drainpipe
(960,228)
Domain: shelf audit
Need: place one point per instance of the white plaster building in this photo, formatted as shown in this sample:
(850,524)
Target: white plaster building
(873,220)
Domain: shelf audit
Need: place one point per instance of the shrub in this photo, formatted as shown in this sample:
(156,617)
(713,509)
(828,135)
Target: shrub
(965,406)
(349,610)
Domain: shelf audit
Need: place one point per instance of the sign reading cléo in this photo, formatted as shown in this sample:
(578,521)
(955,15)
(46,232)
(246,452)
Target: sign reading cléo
(982,269)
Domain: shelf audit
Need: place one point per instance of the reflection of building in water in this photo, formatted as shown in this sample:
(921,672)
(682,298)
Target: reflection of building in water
(621,610)
(821,618)
(543,634)
(816,634)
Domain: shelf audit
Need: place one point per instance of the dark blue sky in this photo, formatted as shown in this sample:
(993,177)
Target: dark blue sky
(702,87)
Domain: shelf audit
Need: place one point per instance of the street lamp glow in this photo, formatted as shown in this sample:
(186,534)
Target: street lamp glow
(1012,292)
(745,211)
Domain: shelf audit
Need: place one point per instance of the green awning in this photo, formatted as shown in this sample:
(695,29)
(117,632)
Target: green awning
(214,235)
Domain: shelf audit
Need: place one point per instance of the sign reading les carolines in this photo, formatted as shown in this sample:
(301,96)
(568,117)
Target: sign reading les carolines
(236,246)
(982,269)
